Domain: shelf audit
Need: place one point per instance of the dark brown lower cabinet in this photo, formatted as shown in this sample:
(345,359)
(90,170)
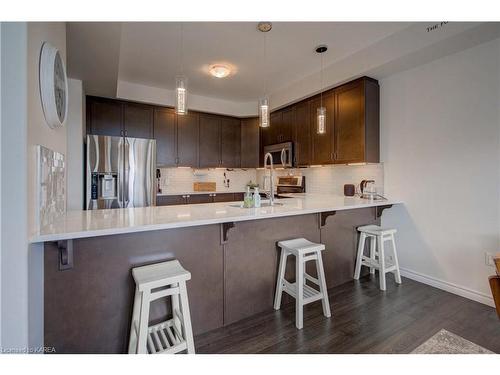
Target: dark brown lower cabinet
(199,198)
(251,262)
(340,237)
(223,197)
(88,308)
(171,200)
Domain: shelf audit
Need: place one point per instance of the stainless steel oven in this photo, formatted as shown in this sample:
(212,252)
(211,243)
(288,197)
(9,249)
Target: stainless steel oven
(282,154)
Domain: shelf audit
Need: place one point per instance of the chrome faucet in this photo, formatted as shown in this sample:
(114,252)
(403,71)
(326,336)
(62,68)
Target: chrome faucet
(270,193)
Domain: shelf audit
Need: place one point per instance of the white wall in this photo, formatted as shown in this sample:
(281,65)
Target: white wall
(0,185)
(14,245)
(156,95)
(39,134)
(440,144)
(75,125)
(23,127)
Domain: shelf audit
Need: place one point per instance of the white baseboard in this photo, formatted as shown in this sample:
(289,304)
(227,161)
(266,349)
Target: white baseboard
(449,287)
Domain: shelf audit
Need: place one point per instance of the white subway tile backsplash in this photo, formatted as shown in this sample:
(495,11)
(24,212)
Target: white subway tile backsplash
(180,180)
(325,180)
(331,179)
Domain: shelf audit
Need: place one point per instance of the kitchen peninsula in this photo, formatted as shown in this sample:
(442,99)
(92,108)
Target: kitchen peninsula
(230,251)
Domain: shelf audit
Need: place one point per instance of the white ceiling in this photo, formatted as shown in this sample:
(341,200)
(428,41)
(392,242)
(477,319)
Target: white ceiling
(139,61)
(150,53)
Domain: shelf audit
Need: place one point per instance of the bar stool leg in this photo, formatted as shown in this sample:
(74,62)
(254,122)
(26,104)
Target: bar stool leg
(186,316)
(143,323)
(397,274)
(176,308)
(280,278)
(322,286)
(381,260)
(359,257)
(299,285)
(134,326)
(373,243)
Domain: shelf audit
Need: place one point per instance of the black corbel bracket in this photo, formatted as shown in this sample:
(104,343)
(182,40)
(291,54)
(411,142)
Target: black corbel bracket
(224,229)
(324,215)
(380,209)
(65,254)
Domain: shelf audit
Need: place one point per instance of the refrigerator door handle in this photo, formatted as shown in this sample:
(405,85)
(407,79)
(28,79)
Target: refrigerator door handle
(126,172)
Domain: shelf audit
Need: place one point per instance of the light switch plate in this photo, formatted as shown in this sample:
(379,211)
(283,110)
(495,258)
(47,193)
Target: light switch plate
(488,258)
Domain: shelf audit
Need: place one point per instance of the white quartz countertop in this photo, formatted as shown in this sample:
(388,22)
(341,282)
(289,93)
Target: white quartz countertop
(197,192)
(81,224)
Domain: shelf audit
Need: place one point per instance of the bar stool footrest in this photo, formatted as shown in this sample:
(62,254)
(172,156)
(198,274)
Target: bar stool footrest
(165,338)
(368,262)
(309,294)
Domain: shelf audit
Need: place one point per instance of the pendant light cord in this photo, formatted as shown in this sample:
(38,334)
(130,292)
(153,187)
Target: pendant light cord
(321,81)
(265,64)
(181,48)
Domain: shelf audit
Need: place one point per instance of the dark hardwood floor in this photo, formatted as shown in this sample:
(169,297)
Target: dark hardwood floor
(364,320)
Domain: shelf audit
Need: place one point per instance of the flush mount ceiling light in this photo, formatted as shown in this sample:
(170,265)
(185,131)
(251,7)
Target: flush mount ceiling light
(219,70)
(321,111)
(263,107)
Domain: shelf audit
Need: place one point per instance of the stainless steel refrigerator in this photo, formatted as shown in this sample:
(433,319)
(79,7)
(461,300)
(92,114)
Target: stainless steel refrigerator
(120,172)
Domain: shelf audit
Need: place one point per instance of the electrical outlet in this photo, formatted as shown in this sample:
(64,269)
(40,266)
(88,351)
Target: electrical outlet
(488,258)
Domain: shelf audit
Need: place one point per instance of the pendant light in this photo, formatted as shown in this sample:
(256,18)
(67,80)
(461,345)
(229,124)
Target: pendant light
(181,81)
(263,108)
(321,111)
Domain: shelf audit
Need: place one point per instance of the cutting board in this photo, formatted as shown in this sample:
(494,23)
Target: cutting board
(204,186)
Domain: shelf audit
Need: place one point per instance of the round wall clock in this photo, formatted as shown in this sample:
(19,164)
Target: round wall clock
(53,86)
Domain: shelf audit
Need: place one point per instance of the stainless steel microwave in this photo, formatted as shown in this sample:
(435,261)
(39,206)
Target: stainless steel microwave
(282,154)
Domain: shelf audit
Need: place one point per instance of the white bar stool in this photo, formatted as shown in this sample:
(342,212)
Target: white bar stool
(377,259)
(304,251)
(171,336)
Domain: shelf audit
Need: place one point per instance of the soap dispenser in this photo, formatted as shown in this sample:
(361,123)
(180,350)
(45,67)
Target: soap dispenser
(256,197)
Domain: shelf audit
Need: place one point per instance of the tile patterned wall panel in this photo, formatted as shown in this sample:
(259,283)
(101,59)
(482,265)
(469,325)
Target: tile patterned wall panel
(180,180)
(322,180)
(331,179)
(51,186)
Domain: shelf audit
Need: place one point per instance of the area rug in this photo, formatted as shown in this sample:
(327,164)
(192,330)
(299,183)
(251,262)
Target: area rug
(445,342)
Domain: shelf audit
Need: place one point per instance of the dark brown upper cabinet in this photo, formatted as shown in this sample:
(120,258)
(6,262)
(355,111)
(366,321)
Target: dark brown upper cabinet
(250,143)
(165,124)
(188,131)
(356,135)
(281,127)
(322,144)
(230,130)
(285,131)
(302,135)
(137,120)
(209,141)
(104,116)
(118,118)
(220,139)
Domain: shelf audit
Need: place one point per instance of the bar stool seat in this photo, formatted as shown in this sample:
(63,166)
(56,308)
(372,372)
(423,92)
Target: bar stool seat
(173,335)
(301,245)
(375,230)
(377,259)
(303,250)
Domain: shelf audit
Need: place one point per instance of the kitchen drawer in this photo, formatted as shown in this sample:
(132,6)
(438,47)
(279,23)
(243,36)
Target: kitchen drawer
(170,200)
(223,197)
(199,198)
